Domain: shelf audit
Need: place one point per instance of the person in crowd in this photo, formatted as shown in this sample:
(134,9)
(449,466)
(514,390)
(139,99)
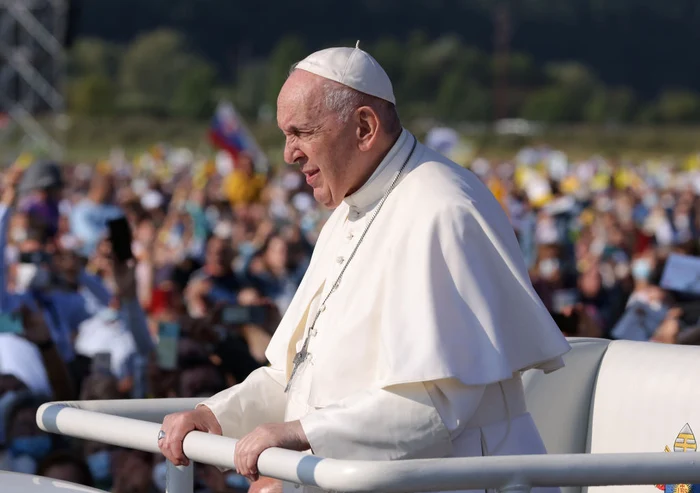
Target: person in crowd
(134,473)
(244,185)
(100,461)
(26,444)
(89,217)
(273,273)
(66,466)
(41,188)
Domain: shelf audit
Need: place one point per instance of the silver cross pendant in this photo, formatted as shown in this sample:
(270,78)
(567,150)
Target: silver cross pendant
(298,360)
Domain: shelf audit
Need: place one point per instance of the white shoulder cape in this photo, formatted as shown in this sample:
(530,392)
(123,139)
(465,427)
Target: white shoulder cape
(438,289)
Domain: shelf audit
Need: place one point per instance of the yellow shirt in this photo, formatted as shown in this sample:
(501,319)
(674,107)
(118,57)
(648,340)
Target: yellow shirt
(241,188)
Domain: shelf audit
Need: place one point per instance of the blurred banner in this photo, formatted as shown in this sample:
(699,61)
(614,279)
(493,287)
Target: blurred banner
(448,142)
(229,133)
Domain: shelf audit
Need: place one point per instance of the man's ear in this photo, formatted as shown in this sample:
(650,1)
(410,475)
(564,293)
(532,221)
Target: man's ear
(367,127)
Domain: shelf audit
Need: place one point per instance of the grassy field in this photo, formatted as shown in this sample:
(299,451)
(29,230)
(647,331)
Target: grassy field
(90,139)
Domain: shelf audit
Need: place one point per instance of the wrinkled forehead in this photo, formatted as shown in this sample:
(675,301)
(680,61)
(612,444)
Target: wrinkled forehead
(301,100)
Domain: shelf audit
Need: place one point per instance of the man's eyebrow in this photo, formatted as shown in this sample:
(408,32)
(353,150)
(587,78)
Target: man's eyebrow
(299,128)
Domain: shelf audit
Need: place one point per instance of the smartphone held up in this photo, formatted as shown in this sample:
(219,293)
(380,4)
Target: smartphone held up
(120,238)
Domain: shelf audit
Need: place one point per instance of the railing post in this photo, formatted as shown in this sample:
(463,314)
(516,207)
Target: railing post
(515,488)
(179,479)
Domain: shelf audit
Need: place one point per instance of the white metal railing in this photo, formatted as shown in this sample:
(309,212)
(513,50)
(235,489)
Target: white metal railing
(135,424)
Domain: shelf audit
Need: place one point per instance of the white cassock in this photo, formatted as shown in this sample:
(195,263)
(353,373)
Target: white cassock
(418,352)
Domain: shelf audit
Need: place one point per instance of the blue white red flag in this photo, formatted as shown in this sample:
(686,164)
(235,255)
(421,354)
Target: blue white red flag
(229,133)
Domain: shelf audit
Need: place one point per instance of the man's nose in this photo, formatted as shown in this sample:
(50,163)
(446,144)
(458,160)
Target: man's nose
(292,154)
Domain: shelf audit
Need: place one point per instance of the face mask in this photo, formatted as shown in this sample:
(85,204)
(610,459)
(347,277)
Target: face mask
(607,276)
(174,239)
(31,276)
(682,222)
(159,476)
(604,204)
(597,246)
(625,214)
(641,270)
(246,249)
(23,464)
(108,315)
(668,202)
(548,267)
(100,464)
(18,235)
(622,270)
(650,200)
(37,447)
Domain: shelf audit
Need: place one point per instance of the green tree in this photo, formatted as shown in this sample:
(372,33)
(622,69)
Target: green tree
(390,55)
(571,86)
(551,104)
(153,69)
(193,96)
(93,56)
(288,51)
(611,105)
(678,106)
(572,75)
(461,99)
(92,94)
(249,93)
(522,71)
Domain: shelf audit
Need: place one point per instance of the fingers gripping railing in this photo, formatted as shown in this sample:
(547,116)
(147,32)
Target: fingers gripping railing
(135,424)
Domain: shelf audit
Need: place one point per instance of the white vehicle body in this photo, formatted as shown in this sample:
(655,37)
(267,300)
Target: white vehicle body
(11,482)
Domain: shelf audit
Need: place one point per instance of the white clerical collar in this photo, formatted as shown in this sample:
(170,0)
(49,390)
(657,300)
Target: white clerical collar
(375,187)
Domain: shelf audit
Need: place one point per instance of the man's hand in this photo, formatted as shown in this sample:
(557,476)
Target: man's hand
(125,279)
(35,329)
(283,435)
(266,485)
(177,426)
(248,297)
(667,332)
(10,182)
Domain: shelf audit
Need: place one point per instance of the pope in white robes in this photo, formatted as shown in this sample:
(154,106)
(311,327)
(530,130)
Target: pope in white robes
(410,330)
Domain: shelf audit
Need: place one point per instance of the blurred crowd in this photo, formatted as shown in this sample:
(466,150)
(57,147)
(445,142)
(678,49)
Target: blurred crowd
(598,236)
(218,252)
(216,260)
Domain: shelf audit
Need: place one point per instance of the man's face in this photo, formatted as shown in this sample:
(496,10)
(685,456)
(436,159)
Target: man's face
(316,139)
(277,253)
(67,265)
(200,381)
(218,253)
(65,472)
(35,267)
(133,472)
(24,424)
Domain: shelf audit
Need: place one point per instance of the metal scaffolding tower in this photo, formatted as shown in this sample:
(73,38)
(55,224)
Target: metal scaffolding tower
(32,70)
(502,40)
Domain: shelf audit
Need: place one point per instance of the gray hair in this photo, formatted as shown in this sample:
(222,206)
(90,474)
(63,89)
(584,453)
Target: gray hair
(343,101)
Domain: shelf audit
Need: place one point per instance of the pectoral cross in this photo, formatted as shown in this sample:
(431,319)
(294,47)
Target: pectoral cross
(298,360)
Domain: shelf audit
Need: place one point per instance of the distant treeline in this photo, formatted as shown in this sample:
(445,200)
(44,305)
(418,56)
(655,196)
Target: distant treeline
(647,45)
(166,72)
